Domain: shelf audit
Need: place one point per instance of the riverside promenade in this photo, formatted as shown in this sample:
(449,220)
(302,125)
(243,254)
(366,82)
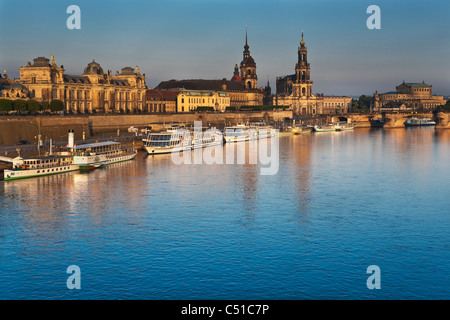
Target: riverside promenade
(16,128)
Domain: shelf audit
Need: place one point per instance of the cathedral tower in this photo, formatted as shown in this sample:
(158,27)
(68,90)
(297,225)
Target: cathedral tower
(302,71)
(248,68)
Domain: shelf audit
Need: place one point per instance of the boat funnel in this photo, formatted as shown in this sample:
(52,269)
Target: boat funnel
(70,143)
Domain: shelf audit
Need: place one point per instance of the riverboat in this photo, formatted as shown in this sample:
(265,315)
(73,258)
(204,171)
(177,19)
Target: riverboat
(324,128)
(239,133)
(95,155)
(339,126)
(417,122)
(263,130)
(174,139)
(207,137)
(23,167)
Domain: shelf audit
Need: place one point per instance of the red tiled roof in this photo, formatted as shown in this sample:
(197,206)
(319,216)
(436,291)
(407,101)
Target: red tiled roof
(162,95)
(236,78)
(199,84)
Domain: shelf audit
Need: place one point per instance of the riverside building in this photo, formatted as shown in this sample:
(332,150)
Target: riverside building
(409,94)
(93,91)
(296,92)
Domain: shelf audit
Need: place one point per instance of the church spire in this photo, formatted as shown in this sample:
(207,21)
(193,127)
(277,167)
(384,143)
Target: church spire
(246,47)
(302,42)
(246,44)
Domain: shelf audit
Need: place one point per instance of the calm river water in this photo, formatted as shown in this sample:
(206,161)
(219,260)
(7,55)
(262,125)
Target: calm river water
(151,229)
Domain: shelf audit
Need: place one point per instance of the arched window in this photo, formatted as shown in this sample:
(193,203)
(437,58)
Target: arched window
(303,91)
(249,85)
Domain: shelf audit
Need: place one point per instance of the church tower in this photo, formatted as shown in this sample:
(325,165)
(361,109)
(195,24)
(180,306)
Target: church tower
(236,77)
(248,68)
(236,70)
(302,71)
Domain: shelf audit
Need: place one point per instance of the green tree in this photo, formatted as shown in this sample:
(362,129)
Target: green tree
(20,105)
(446,107)
(364,101)
(56,105)
(362,104)
(5,105)
(33,105)
(45,105)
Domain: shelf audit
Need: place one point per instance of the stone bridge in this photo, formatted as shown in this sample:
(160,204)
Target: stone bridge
(391,119)
(397,119)
(357,119)
(443,120)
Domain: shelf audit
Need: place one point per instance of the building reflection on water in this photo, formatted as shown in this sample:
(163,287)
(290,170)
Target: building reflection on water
(137,188)
(302,151)
(51,202)
(414,146)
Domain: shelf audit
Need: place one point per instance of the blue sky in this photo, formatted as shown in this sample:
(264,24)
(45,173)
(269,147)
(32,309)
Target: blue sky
(193,39)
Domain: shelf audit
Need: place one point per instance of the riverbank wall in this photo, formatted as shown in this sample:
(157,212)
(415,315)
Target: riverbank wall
(16,128)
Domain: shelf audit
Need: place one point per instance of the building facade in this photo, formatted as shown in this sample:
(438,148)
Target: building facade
(11,90)
(410,95)
(186,100)
(190,100)
(242,89)
(161,101)
(336,104)
(93,91)
(295,91)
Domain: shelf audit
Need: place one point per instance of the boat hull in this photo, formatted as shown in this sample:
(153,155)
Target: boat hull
(429,124)
(204,145)
(32,173)
(96,161)
(325,130)
(236,139)
(156,150)
(342,128)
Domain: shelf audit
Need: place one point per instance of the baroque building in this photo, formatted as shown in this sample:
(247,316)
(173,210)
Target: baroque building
(295,91)
(185,100)
(93,91)
(242,88)
(410,94)
(161,101)
(11,90)
(190,100)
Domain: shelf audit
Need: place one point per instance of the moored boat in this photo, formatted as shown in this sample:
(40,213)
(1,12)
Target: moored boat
(295,130)
(23,167)
(339,126)
(175,139)
(239,133)
(301,128)
(324,128)
(416,122)
(94,155)
(263,130)
(207,137)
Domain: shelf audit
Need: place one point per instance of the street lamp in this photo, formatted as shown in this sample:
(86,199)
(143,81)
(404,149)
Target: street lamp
(39,137)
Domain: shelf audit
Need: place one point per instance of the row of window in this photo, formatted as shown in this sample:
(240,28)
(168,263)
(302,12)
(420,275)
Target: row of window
(87,95)
(334,104)
(200,100)
(53,170)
